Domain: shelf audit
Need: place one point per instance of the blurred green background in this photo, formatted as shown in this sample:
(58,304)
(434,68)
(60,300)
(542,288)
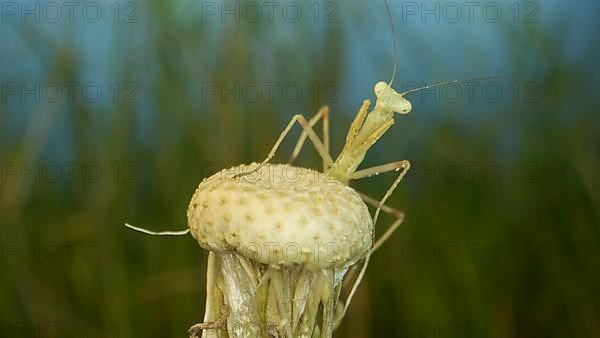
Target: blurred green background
(115,111)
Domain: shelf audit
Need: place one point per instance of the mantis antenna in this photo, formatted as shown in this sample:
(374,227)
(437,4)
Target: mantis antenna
(444,83)
(394,44)
(436,84)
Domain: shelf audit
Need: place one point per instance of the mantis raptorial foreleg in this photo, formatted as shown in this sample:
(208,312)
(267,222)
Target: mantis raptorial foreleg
(323,113)
(358,122)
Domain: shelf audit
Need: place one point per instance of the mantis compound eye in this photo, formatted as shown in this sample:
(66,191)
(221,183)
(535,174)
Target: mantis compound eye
(389,99)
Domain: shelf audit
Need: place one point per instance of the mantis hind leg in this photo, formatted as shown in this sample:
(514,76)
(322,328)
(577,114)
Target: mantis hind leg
(323,114)
(301,120)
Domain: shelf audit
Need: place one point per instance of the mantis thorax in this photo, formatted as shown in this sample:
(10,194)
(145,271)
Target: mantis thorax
(366,129)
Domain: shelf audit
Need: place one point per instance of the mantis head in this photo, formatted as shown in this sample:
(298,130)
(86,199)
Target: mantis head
(390,100)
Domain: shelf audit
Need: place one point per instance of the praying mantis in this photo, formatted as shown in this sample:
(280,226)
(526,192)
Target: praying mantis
(231,271)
